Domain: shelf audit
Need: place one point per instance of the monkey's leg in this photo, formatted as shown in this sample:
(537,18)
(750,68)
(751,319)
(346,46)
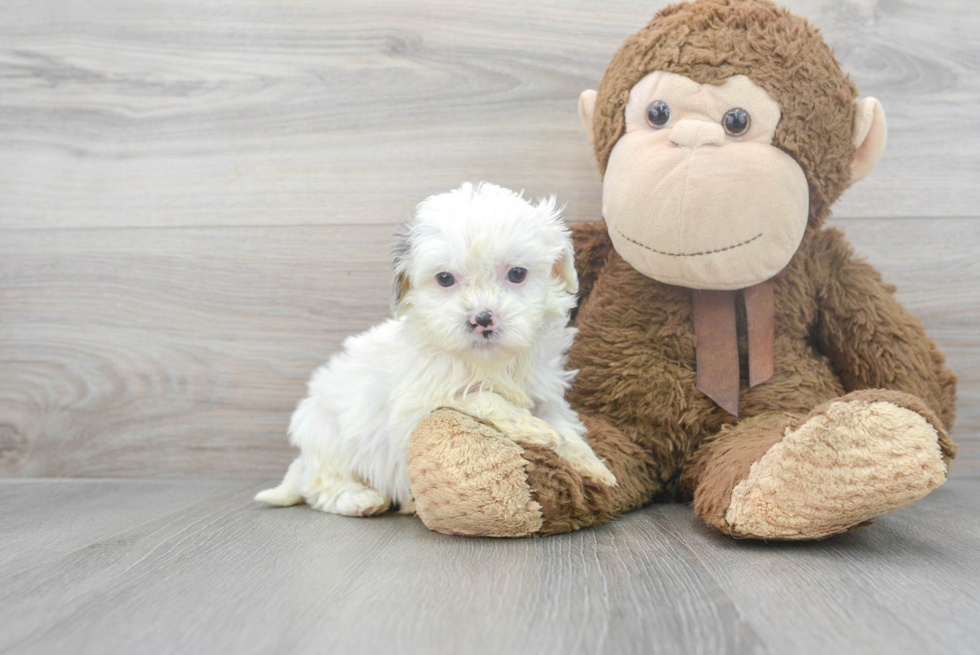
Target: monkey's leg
(777,476)
(468,478)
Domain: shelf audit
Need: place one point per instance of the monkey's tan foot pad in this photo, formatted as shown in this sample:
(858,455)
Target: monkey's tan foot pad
(469,479)
(848,462)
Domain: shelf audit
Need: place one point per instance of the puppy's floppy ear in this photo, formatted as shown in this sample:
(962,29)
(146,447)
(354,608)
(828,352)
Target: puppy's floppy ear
(400,252)
(564,266)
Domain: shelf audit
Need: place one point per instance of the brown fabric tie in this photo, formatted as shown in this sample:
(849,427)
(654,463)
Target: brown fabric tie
(717,347)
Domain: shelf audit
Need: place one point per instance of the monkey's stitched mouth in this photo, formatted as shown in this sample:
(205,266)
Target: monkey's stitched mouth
(688,254)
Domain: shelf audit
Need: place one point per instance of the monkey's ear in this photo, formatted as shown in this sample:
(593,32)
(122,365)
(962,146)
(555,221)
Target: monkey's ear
(586,109)
(870,134)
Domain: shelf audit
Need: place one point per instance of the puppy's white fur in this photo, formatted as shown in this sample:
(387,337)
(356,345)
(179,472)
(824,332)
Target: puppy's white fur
(354,427)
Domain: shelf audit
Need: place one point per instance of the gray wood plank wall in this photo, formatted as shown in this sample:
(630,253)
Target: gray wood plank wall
(196,198)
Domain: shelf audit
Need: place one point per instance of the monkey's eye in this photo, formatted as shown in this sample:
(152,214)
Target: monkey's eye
(736,121)
(445,279)
(517,274)
(658,114)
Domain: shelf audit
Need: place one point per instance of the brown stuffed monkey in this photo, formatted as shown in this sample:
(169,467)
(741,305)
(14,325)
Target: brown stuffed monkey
(731,349)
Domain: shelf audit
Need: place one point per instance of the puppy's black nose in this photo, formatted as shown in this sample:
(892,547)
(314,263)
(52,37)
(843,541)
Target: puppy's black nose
(484,319)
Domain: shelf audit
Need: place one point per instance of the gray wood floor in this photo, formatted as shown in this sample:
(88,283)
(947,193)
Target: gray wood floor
(192,566)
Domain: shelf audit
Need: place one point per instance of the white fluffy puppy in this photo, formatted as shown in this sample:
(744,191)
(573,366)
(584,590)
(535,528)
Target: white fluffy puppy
(483,285)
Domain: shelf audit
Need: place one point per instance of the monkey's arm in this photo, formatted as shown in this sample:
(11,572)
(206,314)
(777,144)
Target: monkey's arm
(869,336)
(592,248)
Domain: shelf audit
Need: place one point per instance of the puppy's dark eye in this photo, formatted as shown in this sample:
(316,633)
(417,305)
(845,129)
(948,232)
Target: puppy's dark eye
(658,114)
(445,279)
(517,274)
(736,121)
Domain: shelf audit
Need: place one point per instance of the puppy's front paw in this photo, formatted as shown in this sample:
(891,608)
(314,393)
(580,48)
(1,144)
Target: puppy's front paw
(583,460)
(530,430)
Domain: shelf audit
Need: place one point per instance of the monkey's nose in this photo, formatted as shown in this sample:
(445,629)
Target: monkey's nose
(692,133)
(483,319)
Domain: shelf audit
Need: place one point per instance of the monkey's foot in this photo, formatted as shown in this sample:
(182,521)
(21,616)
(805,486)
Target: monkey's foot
(851,460)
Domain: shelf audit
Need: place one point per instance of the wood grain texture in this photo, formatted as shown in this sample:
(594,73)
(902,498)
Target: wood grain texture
(178,112)
(226,575)
(913,576)
(196,199)
(40,521)
(182,352)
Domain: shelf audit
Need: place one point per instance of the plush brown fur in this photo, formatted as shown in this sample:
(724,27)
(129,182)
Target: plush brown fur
(567,504)
(727,460)
(838,327)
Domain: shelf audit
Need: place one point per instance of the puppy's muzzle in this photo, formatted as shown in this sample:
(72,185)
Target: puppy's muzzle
(482,323)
